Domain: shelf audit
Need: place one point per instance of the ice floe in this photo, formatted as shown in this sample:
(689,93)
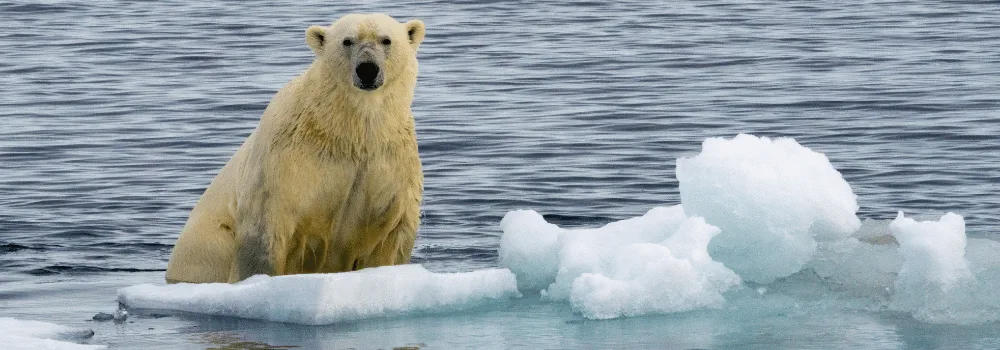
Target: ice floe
(26,334)
(756,215)
(315,299)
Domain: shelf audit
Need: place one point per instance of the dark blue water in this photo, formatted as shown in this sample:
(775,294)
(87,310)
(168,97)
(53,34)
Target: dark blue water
(114,117)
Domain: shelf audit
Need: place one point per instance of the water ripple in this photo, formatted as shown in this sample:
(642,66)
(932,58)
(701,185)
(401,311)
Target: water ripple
(111,130)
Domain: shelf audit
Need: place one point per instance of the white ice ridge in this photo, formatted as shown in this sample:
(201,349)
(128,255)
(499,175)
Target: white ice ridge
(772,199)
(656,263)
(316,299)
(24,334)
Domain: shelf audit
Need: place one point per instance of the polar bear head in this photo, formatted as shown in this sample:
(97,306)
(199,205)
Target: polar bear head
(368,51)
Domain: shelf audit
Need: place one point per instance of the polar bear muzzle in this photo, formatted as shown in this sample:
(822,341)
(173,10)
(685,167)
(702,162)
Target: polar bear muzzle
(368,76)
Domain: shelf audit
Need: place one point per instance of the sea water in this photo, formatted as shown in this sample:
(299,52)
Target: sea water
(116,116)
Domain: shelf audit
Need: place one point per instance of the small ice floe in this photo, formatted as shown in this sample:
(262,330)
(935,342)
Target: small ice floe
(316,299)
(24,334)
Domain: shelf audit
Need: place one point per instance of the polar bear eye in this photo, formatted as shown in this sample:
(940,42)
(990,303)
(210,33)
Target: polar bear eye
(348,42)
(386,41)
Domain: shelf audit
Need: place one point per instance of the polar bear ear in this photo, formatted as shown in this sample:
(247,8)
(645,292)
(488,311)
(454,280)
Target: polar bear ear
(415,30)
(315,37)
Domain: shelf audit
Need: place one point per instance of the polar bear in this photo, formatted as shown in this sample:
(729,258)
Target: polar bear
(330,180)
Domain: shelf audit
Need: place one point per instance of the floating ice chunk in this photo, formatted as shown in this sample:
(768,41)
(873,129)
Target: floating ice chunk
(39,329)
(936,282)
(23,334)
(656,263)
(773,199)
(676,275)
(933,251)
(15,342)
(316,299)
(529,248)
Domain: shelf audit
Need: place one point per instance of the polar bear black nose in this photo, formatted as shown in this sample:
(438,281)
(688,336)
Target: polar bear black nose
(368,74)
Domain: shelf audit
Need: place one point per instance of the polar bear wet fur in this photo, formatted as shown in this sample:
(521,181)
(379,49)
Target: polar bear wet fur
(330,180)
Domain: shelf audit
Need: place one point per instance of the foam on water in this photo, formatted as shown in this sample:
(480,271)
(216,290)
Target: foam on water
(315,299)
(25,334)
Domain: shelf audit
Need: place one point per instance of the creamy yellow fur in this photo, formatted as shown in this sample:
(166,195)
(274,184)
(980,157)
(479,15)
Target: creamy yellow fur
(330,180)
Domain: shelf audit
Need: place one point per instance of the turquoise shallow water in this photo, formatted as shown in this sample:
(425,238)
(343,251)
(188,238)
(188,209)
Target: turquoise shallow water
(116,115)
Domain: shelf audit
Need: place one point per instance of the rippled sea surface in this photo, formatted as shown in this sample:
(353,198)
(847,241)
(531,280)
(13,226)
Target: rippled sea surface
(115,116)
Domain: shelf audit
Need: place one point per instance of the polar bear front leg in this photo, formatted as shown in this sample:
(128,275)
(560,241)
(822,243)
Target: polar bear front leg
(406,233)
(262,228)
(397,246)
